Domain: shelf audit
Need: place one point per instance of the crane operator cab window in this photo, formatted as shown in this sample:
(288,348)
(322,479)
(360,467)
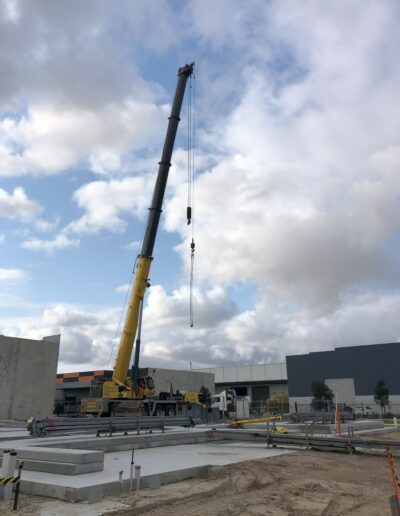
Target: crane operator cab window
(142,383)
(146,386)
(150,382)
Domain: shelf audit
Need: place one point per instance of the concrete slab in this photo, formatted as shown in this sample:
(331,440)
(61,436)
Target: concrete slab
(127,442)
(170,464)
(13,433)
(58,455)
(62,468)
(61,456)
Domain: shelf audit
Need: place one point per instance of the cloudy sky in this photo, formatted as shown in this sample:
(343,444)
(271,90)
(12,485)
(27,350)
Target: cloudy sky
(297,190)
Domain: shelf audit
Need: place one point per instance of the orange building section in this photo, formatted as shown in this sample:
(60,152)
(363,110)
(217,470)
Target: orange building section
(86,378)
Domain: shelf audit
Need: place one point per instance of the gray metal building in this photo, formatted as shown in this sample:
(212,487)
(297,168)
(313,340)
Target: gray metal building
(351,373)
(27,371)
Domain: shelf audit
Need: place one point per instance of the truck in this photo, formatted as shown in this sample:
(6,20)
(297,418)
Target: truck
(225,401)
(230,405)
(123,393)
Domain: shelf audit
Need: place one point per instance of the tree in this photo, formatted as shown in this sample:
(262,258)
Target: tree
(322,396)
(381,395)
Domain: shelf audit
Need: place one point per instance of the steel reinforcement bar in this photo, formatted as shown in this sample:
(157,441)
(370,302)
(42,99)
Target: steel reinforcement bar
(348,444)
(52,426)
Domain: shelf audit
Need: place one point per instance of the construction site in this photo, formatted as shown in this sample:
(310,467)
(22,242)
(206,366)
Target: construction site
(228,441)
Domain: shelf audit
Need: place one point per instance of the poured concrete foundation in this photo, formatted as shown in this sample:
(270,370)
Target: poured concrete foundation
(158,465)
(56,468)
(84,468)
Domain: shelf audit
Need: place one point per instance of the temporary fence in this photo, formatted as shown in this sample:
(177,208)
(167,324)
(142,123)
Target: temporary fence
(266,408)
(359,410)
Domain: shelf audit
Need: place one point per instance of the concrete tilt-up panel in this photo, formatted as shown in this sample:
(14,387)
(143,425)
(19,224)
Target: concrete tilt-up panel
(27,371)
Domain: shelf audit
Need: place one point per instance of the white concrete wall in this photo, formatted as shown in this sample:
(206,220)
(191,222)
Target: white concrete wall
(343,389)
(28,369)
(249,373)
(278,388)
(183,380)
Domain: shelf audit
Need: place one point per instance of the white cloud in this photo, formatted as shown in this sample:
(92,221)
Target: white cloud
(52,138)
(44,226)
(11,10)
(221,335)
(2,238)
(106,201)
(86,336)
(72,94)
(12,275)
(73,56)
(299,158)
(61,241)
(304,202)
(134,246)
(17,205)
(123,289)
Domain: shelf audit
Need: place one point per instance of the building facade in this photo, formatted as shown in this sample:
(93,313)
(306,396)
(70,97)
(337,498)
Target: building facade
(259,382)
(351,373)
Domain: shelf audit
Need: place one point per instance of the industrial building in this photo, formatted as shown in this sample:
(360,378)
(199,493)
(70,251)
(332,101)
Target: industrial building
(259,382)
(350,372)
(27,371)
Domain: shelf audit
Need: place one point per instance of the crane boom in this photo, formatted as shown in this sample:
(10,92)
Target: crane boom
(145,258)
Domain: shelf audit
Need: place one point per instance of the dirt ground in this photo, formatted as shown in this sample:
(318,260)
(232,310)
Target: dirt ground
(299,484)
(304,483)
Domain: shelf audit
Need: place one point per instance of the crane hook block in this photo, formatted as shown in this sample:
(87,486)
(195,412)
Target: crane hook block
(192,246)
(189,215)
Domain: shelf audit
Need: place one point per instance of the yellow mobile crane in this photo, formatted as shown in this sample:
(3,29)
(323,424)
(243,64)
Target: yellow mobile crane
(121,387)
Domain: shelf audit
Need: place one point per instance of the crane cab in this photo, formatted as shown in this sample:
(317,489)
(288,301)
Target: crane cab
(114,390)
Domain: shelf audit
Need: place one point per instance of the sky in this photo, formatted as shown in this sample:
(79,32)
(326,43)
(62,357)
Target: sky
(296,191)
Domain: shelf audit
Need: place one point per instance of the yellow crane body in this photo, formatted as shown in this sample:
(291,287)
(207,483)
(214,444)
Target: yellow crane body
(131,321)
(120,386)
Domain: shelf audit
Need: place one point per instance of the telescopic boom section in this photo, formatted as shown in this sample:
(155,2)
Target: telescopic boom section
(145,257)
